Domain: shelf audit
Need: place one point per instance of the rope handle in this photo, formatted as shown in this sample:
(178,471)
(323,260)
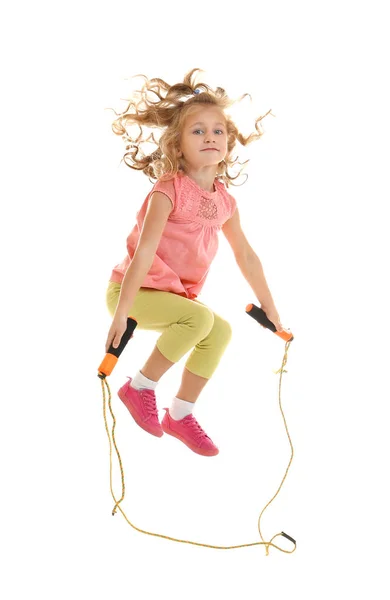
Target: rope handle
(112,355)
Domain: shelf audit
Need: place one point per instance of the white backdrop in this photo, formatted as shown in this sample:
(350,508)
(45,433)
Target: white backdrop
(313,209)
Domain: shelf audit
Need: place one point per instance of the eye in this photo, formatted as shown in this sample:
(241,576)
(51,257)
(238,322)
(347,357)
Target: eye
(220,130)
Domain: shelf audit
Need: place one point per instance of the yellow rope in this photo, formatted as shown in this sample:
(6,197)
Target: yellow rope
(117,502)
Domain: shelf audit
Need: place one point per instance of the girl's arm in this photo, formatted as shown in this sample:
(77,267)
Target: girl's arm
(132,281)
(159,209)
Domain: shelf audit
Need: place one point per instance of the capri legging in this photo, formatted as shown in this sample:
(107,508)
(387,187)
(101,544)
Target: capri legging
(183,324)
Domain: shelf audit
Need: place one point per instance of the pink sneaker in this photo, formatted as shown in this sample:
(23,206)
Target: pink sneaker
(142,407)
(189,432)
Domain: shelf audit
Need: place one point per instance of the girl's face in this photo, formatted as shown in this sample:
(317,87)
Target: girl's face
(203,140)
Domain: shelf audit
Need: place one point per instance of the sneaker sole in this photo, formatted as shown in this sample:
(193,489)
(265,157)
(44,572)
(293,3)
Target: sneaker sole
(136,418)
(195,449)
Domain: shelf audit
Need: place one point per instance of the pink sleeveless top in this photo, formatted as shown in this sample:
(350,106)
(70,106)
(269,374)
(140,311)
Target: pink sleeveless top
(189,241)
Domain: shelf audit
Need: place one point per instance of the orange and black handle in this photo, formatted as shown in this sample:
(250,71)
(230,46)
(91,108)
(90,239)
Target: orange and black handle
(259,315)
(113,354)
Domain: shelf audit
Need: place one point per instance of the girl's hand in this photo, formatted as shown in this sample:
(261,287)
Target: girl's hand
(117,329)
(272,315)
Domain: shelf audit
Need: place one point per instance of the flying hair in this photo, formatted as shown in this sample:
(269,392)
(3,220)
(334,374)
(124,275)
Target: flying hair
(165,107)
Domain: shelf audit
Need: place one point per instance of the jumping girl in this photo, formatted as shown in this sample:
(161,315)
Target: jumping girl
(172,245)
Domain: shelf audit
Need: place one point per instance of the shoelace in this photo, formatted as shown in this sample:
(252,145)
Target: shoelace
(149,400)
(194,425)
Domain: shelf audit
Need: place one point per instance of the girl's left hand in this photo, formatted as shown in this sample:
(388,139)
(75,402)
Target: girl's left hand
(272,315)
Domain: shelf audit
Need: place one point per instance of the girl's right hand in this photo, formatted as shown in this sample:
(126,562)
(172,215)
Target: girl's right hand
(117,329)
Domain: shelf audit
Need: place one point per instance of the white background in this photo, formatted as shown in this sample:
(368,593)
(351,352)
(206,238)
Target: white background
(314,211)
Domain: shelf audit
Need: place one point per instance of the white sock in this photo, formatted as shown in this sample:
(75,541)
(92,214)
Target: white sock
(180,409)
(140,382)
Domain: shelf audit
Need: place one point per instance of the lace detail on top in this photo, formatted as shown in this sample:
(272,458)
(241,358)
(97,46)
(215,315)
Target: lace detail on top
(207,208)
(187,199)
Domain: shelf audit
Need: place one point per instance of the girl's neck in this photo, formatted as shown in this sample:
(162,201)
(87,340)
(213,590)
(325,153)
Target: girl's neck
(203,177)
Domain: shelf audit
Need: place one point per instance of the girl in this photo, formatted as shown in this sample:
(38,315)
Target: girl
(173,244)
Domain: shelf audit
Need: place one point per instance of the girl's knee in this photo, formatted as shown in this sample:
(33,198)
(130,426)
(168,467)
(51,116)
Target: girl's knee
(222,330)
(204,320)
(210,323)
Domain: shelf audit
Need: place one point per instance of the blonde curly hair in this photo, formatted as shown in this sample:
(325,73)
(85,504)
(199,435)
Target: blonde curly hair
(167,114)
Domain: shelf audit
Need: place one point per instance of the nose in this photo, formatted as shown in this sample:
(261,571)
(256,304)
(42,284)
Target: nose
(209,137)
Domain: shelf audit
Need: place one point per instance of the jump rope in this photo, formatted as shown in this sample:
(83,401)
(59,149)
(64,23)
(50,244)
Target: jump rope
(105,370)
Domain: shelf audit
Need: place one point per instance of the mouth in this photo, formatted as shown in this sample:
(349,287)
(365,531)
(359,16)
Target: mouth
(210,149)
